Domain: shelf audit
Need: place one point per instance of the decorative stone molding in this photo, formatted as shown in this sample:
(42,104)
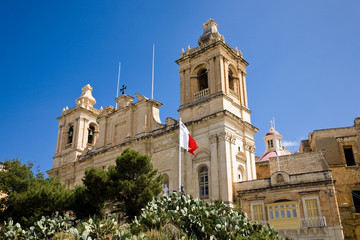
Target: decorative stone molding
(221,136)
(86,99)
(124,100)
(227,136)
(279,178)
(170,121)
(213,138)
(250,147)
(141,97)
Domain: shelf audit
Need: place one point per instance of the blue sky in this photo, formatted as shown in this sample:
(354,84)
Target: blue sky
(303,59)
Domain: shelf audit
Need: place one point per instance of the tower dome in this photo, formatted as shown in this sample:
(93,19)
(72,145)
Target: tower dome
(273,140)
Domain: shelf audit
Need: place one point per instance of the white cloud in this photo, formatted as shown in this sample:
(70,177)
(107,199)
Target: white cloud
(290,143)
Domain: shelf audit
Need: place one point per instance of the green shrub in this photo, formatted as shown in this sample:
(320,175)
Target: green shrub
(45,228)
(12,231)
(199,219)
(174,217)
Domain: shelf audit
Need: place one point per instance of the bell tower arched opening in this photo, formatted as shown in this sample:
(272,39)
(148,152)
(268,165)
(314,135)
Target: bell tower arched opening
(70,135)
(202,77)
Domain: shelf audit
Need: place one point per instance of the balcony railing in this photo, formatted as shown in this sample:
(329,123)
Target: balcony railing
(201,93)
(313,222)
(232,92)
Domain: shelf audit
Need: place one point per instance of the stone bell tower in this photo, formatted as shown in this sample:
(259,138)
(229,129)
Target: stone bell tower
(214,107)
(78,131)
(212,78)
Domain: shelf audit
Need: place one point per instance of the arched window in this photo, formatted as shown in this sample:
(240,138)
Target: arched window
(231,80)
(240,175)
(166,185)
(270,144)
(203,79)
(91,134)
(204,182)
(70,134)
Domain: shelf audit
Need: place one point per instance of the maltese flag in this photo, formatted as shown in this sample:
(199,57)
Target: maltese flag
(186,141)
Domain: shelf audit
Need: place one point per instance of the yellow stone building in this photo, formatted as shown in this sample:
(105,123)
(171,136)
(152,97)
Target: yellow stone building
(302,195)
(294,193)
(342,147)
(213,106)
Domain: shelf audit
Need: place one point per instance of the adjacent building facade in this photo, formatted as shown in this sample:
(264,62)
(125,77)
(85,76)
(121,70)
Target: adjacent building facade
(294,193)
(342,146)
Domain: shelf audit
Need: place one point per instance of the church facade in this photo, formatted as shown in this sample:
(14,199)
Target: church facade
(313,194)
(213,106)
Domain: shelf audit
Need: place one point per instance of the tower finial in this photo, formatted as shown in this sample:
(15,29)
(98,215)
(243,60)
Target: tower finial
(271,123)
(86,99)
(210,32)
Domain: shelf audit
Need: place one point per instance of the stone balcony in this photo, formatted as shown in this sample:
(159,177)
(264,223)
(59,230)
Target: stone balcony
(233,93)
(201,93)
(313,222)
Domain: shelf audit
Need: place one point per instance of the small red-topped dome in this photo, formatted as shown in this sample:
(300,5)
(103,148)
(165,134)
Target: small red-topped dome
(272,132)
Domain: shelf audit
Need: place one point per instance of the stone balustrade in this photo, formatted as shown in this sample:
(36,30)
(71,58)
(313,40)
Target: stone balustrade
(313,222)
(201,93)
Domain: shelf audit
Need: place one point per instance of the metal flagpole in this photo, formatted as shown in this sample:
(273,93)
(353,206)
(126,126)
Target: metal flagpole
(179,155)
(117,89)
(152,77)
(276,147)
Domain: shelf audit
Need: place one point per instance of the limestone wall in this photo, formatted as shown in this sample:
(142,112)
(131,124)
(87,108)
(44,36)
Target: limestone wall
(299,163)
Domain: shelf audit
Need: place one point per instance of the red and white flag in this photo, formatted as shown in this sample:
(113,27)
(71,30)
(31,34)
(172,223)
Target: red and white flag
(186,141)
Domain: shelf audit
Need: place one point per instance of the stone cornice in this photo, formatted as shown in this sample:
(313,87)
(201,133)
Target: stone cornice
(162,131)
(210,97)
(93,111)
(292,186)
(326,180)
(224,113)
(204,47)
(110,110)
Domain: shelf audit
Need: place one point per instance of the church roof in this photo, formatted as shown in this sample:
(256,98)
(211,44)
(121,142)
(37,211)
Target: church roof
(270,154)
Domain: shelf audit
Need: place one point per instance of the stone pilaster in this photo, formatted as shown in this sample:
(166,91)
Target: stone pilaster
(222,72)
(225,75)
(214,167)
(75,141)
(59,138)
(188,90)
(225,167)
(250,164)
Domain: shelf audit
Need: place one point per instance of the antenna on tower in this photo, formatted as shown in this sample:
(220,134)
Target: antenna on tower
(152,76)
(276,146)
(118,81)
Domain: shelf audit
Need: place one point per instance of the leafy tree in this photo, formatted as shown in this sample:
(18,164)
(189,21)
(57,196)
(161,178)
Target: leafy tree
(89,199)
(131,184)
(30,196)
